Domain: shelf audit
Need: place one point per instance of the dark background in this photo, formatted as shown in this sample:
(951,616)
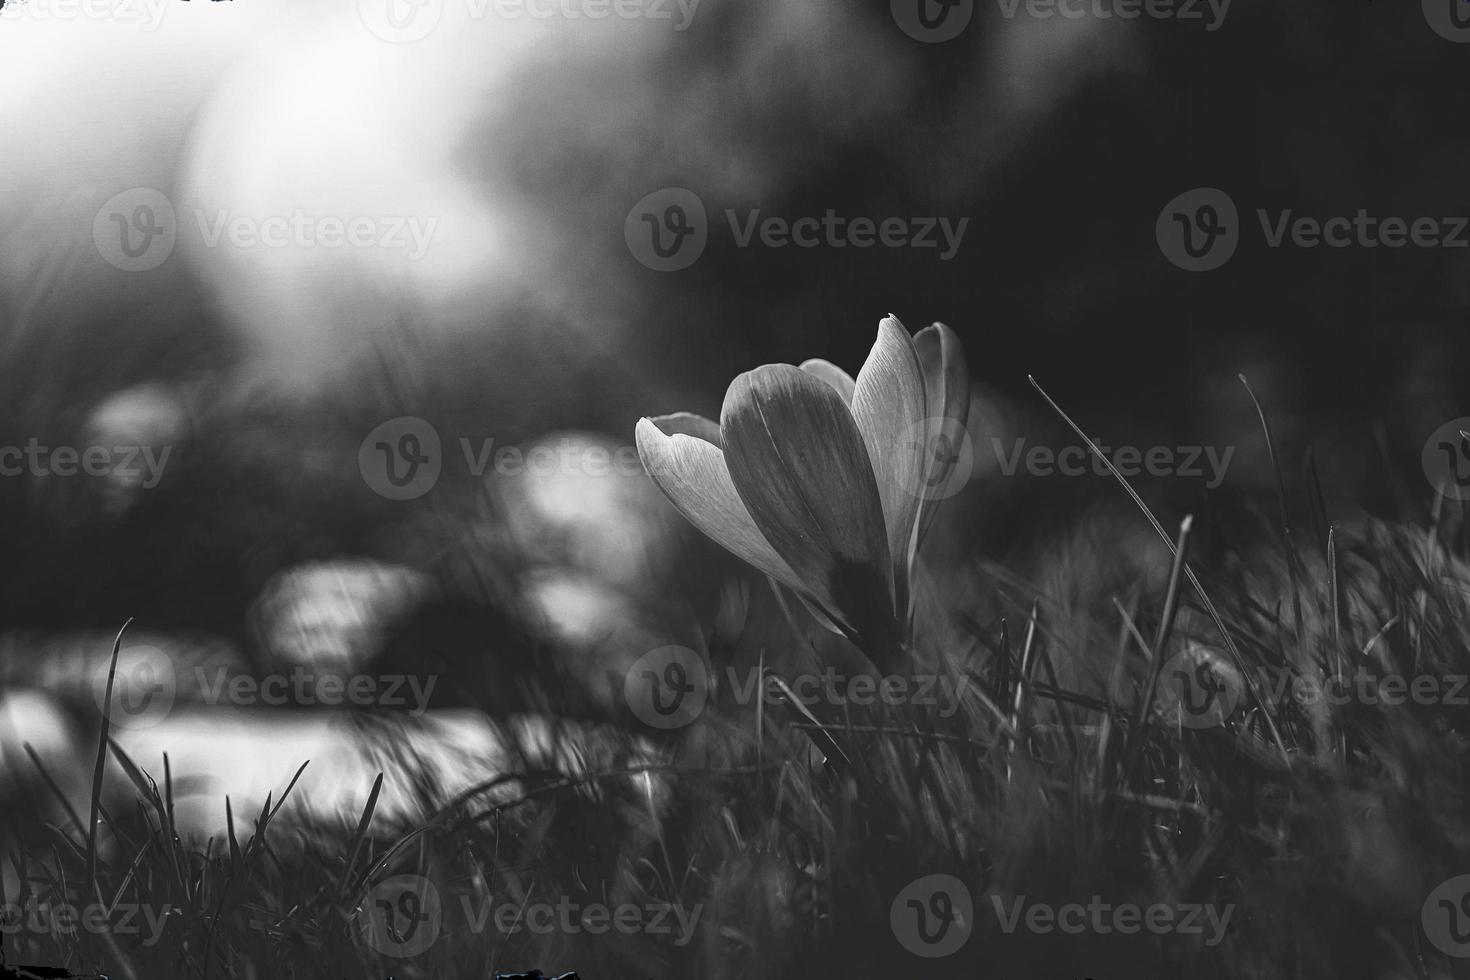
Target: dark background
(1059,140)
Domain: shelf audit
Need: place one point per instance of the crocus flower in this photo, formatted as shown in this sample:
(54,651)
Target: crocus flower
(822,481)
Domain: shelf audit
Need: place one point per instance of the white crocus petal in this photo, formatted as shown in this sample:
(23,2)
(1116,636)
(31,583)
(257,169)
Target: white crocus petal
(833,375)
(890,404)
(689,424)
(801,466)
(947,381)
(691,472)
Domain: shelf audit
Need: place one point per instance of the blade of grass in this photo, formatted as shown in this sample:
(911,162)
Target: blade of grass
(71,812)
(230,833)
(360,836)
(1334,584)
(1156,657)
(829,745)
(1060,699)
(1105,728)
(1204,597)
(1003,665)
(1288,543)
(1023,683)
(1318,501)
(97,771)
(760,733)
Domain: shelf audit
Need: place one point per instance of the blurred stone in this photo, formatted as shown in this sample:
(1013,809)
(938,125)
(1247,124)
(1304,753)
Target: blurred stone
(583,500)
(144,427)
(32,717)
(426,762)
(597,633)
(27,803)
(333,616)
(94,473)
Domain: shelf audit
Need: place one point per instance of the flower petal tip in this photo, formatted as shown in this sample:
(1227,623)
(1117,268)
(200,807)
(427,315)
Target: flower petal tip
(685,424)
